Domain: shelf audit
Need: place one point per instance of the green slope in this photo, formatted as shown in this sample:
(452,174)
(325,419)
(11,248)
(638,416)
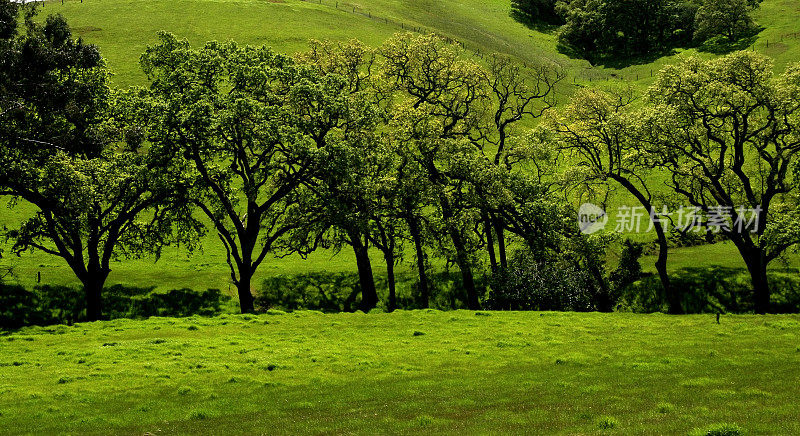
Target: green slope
(123,28)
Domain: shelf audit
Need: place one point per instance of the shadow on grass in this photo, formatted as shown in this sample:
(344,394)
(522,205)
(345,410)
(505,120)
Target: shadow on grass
(721,45)
(341,292)
(715,289)
(547,23)
(616,61)
(46,305)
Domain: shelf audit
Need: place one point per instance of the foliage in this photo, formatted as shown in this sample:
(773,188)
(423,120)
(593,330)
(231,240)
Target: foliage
(532,284)
(535,11)
(247,125)
(728,18)
(66,148)
(727,132)
(597,29)
(628,269)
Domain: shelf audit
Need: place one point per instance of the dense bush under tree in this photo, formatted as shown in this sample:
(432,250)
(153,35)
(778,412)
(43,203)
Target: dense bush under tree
(603,29)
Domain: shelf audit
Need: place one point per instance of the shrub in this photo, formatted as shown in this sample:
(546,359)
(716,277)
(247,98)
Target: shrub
(531,284)
(718,430)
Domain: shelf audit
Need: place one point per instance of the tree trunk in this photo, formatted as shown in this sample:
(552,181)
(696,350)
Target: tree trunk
(246,300)
(390,276)
(757,267)
(93,289)
(413,226)
(673,297)
(501,242)
(462,259)
(369,295)
(487,225)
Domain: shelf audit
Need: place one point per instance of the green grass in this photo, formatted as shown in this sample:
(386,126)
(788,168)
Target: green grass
(124,28)
(539,373)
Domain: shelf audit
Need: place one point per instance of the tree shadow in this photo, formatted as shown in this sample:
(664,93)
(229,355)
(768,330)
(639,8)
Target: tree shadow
(714,289)
(47,304)
(615,61)
(720,45)
(548,26)
(341,292)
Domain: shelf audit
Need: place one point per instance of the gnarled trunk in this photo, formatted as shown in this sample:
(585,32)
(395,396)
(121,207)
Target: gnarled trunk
(487,226)
(462,259)
(501,241)
(416,235)
(674,305)
(390,277)
(93,282)
(369,295)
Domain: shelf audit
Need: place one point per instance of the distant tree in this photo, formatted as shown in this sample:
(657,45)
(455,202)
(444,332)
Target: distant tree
(598,132)
(66,149)
(598,29)
(728,134)
(728,18)
(535,11)
(248,124)
(441,98)
(520,94)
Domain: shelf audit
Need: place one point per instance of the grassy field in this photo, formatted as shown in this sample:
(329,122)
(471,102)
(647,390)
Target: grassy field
(405,372)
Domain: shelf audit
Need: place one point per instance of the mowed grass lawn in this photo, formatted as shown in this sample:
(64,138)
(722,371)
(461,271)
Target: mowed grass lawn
(405,372)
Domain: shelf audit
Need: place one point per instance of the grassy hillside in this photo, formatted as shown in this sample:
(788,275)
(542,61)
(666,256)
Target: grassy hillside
(123,28)
(406,372)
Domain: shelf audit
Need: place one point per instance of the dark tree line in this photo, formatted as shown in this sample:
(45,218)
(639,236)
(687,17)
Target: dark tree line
(598,29)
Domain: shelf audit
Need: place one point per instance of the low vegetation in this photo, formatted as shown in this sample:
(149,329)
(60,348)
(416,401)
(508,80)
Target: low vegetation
(408,371)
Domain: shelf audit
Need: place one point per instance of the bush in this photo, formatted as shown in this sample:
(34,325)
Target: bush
(718,430)
(530,284)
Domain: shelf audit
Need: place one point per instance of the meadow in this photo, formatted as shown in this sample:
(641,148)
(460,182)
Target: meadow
(405,372)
